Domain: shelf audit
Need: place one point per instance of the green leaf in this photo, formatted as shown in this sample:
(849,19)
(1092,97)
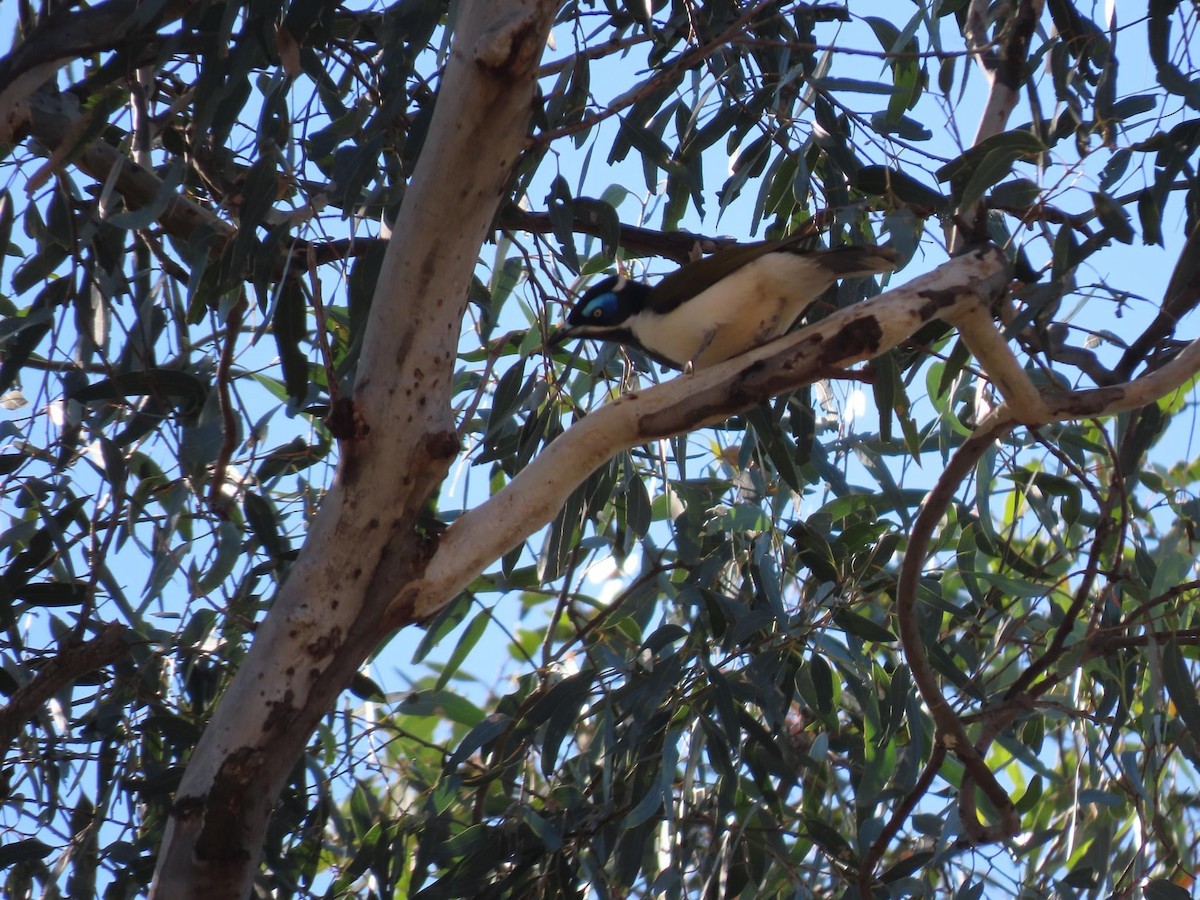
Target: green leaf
(441,705)
(1150,218)
(288,328)
(852,86)
(54,593)
(163,383)
(1161,889)
(466,643)
(560,206)
(448,618)
(830,840)
(26,850)
(982,166)
(1113,217)
(483,733)
(990,170)
(550,835)
(561,708)
(261,517)
(862,627)
(1019,193)
(7,217)
(1182,690)
(881,180)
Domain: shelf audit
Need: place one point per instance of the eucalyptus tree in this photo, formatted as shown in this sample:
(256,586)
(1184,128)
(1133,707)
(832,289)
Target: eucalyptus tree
(279,293)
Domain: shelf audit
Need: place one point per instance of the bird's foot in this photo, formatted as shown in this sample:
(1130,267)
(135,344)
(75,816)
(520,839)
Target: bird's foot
(690,366)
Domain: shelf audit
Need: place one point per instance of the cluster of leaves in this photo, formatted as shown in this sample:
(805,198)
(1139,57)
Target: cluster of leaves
(739,717)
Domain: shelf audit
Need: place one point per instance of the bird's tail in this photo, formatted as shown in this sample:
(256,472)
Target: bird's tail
(855,262)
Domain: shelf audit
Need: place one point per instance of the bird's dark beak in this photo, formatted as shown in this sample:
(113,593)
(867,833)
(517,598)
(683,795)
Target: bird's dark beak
(573,332)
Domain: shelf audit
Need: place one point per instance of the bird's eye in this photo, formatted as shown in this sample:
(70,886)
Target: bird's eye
(601,308)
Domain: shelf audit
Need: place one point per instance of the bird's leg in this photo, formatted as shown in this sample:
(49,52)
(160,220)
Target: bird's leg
(690,366)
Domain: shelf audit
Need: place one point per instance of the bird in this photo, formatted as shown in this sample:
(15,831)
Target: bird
(720,306)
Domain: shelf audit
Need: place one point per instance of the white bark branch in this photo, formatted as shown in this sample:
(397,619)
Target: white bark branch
(1005,72)
(483,534)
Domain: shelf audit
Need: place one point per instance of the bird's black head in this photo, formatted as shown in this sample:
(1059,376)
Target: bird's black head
(603,312)
(608,303)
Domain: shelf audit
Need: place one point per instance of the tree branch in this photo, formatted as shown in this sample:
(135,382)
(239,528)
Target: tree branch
(950,731)
(848,336)
(70,664)
(1005,70)
(69,33)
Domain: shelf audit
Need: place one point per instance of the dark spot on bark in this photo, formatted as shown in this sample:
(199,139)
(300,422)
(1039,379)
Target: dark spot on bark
(357,573)
(186,807)
(281,710)
(442,445)
(935,302)
(291,670)
(428,267)
(325,644)
(341,420)
(856,339)
(220,838)
(373,523)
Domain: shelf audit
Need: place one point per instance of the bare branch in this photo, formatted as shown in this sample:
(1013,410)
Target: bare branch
(71,663)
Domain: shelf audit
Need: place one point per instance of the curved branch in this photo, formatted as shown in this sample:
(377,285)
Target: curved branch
(848,336)
(866,870)
(950,731)
(1023,404)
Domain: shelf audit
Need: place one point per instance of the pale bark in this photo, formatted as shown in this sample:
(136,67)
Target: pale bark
(1006,68)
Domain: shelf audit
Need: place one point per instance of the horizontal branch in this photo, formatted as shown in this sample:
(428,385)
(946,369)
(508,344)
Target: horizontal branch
(69,665)
(56,121)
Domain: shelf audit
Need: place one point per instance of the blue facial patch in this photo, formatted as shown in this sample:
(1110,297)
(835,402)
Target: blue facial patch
(602,308)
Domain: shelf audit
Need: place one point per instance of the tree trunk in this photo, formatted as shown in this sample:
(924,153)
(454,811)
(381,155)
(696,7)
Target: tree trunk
(398,440)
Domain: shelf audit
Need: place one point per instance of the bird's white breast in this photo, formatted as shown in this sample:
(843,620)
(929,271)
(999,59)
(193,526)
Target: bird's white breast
(757,303)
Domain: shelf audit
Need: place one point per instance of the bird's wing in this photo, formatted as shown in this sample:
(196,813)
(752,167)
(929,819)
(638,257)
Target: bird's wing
(689,280)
